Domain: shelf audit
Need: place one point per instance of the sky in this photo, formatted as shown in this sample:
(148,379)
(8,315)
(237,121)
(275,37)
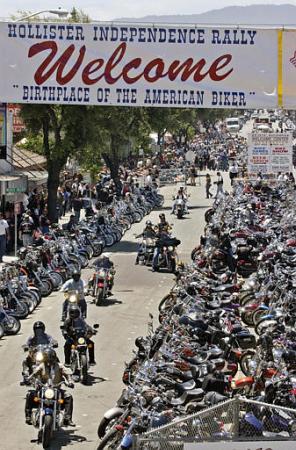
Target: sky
(112,9)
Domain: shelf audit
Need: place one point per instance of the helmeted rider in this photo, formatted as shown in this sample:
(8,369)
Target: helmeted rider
(75,284)
(148,233)
(73,323)
(103,262)
(39,338)
(163,233)
(50,369)
(181,195)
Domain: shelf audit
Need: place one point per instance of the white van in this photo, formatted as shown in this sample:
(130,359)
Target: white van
(233,124)
(263,124)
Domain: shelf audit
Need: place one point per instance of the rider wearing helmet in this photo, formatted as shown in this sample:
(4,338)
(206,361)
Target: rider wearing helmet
(181,194)
(50,369)
(103,262)
(76,284)
(39,338)
(148,233)
(72,324)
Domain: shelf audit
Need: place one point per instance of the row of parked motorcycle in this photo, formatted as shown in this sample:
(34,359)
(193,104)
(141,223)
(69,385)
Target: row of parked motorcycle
(227,329)
(46,265)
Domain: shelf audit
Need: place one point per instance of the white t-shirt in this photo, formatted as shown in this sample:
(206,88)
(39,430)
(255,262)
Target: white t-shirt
(3,226)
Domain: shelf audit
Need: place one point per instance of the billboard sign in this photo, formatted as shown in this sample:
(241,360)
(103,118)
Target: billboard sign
(270,153)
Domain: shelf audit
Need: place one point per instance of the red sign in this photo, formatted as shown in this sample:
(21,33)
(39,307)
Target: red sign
(18,124)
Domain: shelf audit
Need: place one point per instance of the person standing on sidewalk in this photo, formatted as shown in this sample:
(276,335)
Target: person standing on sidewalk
(219,184)
(208,185)
(4,236)
(77,206)
(26,230)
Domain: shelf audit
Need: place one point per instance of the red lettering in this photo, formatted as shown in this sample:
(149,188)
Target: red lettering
(134,64)
(90,68)
(153,71)
(215,67)
(112,62)
(174,70)
(156,64)
(41,76)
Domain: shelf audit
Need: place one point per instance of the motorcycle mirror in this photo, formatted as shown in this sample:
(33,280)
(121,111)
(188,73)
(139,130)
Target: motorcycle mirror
(26,348)
(96,326)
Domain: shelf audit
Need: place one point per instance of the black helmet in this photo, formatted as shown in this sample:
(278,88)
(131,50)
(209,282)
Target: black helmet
(38,326)
(148,223)
(76,275)
(74,312)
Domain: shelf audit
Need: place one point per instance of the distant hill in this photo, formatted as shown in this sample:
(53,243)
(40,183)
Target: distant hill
(248,15)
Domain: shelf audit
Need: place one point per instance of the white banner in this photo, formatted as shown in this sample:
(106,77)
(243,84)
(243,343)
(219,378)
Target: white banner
(138,65)
(270,153)
(258,445)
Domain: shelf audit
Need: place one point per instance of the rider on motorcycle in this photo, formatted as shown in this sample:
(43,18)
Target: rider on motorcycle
(50,369)
(148,233)
(75,284)
(163,234)
(39,338)
(181,195)
(74,322)
(103,262)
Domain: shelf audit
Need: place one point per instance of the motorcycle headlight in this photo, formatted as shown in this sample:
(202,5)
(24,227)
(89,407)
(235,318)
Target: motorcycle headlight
(39,357)
(72,299)
(170,249)
(81,341)
(49,394)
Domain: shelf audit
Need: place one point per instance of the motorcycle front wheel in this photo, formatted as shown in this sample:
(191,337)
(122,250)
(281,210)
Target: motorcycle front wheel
(47,430)
(111,440)
(84,374)
(12,326)
(100,296)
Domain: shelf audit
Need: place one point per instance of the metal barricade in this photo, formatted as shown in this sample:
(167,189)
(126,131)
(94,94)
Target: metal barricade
(235,420)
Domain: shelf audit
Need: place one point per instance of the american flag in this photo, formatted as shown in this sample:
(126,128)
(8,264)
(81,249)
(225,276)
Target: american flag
(293,59)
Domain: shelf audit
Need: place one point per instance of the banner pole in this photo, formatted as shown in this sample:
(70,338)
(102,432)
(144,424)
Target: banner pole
(280,68)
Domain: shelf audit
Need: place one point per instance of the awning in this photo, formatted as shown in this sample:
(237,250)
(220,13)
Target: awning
(25,159)
(9,177)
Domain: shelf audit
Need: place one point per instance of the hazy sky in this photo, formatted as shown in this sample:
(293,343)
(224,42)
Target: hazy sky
(111,9)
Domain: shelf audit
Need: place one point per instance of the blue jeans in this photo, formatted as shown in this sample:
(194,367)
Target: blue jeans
(155,257)
(2,246)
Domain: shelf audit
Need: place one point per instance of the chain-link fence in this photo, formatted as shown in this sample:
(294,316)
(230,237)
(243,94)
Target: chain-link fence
(234,420)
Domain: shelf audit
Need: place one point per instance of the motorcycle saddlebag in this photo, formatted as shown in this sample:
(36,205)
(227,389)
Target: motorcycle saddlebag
(210,383)
(246,340)
(244,251)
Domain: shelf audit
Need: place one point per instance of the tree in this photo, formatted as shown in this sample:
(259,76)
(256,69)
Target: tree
(115,128)
(64,130)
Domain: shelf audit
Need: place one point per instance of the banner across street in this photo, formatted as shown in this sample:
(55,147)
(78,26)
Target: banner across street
(143,65)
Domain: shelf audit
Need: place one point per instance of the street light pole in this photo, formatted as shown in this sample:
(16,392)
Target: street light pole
(59,12)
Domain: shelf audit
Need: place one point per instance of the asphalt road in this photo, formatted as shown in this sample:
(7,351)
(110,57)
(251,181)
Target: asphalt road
(137,292)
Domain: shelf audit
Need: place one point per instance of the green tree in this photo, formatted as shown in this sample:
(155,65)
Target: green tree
(64,130)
